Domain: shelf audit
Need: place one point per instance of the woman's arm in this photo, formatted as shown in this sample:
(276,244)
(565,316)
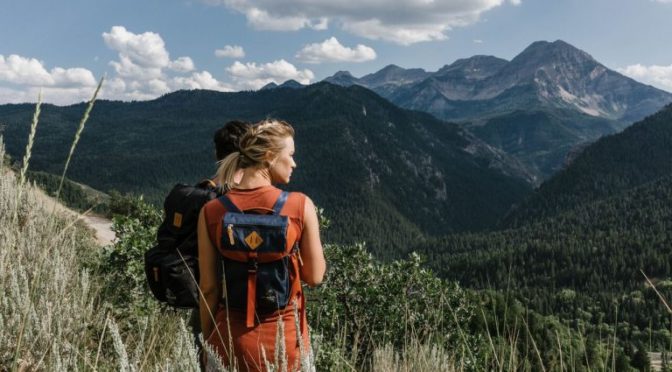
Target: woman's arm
(312,256)
(207,263)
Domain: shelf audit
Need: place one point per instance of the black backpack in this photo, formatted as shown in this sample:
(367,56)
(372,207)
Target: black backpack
(171,265)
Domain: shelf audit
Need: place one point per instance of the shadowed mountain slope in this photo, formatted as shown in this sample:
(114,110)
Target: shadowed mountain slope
(383,174)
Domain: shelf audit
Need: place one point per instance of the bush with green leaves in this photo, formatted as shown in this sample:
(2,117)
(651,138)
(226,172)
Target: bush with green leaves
(134,224)
(363,305)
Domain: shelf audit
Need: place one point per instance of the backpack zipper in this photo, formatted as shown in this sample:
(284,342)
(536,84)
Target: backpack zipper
(229,230)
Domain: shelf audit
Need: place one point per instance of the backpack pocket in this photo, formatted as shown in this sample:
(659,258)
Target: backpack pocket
(272,284)
(171,279)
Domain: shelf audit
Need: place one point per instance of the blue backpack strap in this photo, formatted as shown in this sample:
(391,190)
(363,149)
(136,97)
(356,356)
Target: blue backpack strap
(282,199)
(228,204)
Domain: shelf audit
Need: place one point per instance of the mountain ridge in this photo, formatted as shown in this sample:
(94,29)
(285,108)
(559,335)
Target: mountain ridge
(405,174)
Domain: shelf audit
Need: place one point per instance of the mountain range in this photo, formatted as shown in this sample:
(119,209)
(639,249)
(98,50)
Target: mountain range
(538,107)
(383,174)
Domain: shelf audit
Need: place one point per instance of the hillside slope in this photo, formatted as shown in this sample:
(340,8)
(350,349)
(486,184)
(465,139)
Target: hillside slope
(383,174)
(639,155)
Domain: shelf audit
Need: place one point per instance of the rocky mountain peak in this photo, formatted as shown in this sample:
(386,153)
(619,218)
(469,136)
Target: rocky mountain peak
(343,78)
(393,74)
(543,52)
(476,67)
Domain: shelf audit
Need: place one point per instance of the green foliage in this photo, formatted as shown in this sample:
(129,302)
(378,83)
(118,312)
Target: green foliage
(579,264)
(134,223)
(576,248)
(364,304)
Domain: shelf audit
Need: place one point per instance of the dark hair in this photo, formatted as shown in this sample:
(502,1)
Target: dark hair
(227,137)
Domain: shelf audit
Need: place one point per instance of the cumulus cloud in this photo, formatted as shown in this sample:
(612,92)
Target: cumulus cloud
(230,51)
(254,76)
(20,70)
(182,64)
(401,21)
(200,80)
(331,50)
(658,76)
(23,78)
(145,50)
(145,70)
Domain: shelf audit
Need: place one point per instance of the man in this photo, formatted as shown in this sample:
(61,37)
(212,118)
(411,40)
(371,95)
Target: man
(226,142)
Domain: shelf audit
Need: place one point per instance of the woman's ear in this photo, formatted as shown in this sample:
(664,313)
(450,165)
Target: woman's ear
(270,158)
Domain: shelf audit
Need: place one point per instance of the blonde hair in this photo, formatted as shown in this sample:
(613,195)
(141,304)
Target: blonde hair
(259,140)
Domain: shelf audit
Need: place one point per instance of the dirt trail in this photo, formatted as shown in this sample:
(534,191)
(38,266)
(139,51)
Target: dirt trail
(101,226)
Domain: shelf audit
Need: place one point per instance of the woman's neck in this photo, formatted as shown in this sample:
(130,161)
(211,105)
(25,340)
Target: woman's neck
(253,178)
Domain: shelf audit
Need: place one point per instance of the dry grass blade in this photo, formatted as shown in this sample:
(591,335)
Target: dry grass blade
(31,140)
(534,345)
(78,134)
(658,293)
(29,148)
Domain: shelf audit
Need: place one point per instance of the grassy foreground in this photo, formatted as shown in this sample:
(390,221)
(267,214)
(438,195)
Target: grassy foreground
(59,310)
(52,313)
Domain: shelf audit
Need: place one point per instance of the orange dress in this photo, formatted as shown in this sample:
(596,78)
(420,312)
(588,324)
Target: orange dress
(253,347)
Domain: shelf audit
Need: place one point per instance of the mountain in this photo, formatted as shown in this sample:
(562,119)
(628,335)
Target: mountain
(545,74)
(383,174)
(554,87)
(342,78)
(575,248)
(639,155)
(270,85)
(291,83)
(551,98)
(384,82)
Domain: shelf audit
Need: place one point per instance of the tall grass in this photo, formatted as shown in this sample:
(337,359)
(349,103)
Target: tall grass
(52,315)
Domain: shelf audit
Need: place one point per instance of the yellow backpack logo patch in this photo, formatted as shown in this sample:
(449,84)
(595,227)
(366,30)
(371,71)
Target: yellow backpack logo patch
(253,240)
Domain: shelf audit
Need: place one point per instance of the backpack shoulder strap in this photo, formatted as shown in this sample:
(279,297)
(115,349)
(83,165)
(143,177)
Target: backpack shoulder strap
(282,199)
(228,204)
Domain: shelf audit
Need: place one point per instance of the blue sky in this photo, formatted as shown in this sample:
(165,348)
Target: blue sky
(151,47)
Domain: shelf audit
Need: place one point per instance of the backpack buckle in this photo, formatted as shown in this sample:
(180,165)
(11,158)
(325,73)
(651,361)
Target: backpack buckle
(252,265)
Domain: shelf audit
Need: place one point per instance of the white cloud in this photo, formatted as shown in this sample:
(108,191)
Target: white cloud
(255,76)
(658,76)
(664,1)
(401,21)
(478,41)
(144,69)
(20,70)
(142,56)
(182,64)
(331,50)
(230,51)
(200,80)
(145,50)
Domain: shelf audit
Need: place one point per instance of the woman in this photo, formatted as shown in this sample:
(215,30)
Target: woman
(266,158)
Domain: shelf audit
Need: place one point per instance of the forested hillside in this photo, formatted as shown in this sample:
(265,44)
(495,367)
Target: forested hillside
(639,155)
(578,246)
(384,175)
